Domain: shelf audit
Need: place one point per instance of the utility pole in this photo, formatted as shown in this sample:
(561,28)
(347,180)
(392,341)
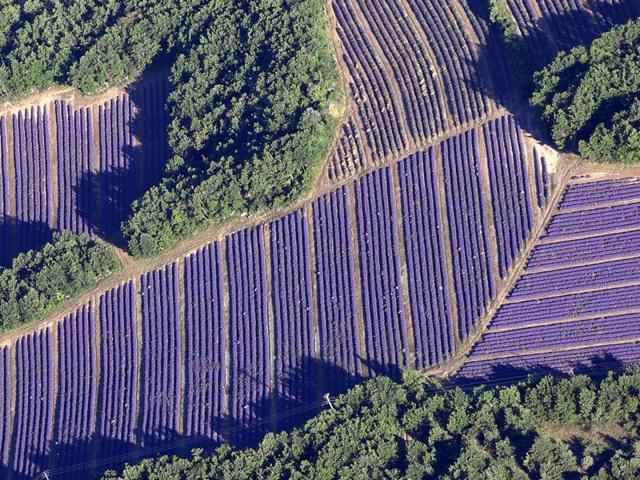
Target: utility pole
(327,397)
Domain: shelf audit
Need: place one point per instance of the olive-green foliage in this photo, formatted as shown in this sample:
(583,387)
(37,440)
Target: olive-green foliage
(590,97)
(548,428)
(250,124)
(41,280)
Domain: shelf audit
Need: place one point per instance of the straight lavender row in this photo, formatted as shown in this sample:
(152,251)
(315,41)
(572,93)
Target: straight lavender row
(117,413)
(205,336)
(5,200)
(571,279)
(433,329)
(585,250)
(161,356)
(586,360)
(598,330)
(5,405)
(567,306)
(509,181)
(382,302)
(466,213)
(250,352)
(339,334)
(76,404)
(31,442)
(594,221)
(594,193)
(74,133)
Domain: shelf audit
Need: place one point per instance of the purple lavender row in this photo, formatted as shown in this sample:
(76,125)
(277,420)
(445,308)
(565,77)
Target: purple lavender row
(585,250)
(598,330)
(572,279)
(32,157)
(567,307)
(151,126)
(380,116)
(466,213)
(594,193)
(34,404)
(583,360)
(76,403)
(5,200)
(116,162)
(5,406)
(161,356)
(594,221)
(543,185)
(512,209)
(402,45)
(249,348)
(295,372)
(456,57)
(74,129)
(382,302)
(117,407)
(426,260)
(205,337)
(337,314)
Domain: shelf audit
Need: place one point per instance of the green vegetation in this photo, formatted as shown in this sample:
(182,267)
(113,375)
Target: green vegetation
(41,280)
(590,97)
(250,119)
(547,428)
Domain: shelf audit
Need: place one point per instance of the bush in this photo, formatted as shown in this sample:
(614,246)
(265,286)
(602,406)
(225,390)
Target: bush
(40,280)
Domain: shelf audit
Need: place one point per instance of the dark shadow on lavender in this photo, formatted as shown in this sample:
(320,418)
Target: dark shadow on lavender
(512,64)
(18,236)
(134,168)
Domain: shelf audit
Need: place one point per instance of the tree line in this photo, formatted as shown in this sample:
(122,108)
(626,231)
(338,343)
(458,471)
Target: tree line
(548,427)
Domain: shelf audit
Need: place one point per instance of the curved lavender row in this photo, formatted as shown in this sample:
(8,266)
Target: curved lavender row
(380,115)
(567,306)
(76,407)
(117,408)
(349,155)
(411,68)
(576,278)
(205,336)
(385,323)
(598,330)
(427,272)
(34,407)
(295,372)
(339,334)
(5,200)
(5,405)
(513,216)
(466,213)
(580,360)
(594,221)
(250,372)
(585,250)
(594,193)
(161,355)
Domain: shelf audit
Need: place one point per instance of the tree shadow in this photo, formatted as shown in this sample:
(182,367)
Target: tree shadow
(130,162)
(18,236)
(539,43)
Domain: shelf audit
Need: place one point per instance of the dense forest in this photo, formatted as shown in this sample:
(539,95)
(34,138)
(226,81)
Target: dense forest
(41,280)
(590,97)
(548,428)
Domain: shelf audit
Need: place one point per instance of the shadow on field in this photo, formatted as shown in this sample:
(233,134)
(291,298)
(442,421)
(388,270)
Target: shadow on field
(541,40)
(595,367)
(18,236)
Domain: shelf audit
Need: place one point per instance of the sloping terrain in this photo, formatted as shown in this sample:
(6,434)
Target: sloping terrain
(421,229)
